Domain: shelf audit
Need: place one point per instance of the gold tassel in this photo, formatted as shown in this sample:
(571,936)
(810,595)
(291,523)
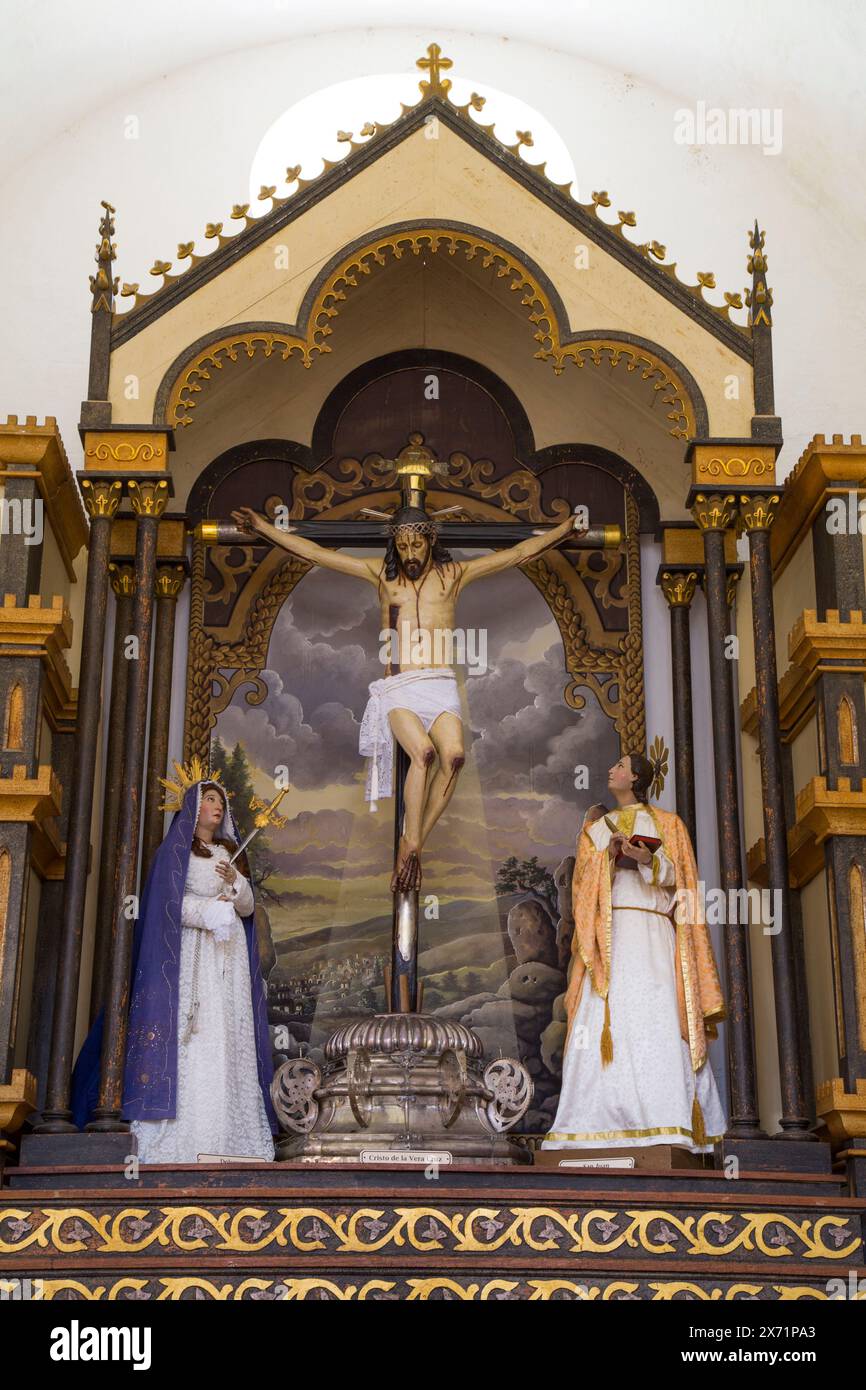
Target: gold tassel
(606,1036)
(699,1132)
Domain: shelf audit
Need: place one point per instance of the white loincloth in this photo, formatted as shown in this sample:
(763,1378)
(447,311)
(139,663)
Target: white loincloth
(428,693)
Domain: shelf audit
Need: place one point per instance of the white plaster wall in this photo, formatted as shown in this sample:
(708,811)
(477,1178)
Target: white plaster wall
(205,79)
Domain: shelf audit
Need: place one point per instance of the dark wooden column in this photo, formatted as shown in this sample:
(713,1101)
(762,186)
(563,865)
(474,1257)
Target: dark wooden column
(123,586)
(715,514)
(757,511)
(149,499)
(169,583)
(101,498)
(678,587)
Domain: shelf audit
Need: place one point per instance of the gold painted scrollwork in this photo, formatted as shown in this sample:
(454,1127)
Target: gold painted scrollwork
(736,466)
(534,300)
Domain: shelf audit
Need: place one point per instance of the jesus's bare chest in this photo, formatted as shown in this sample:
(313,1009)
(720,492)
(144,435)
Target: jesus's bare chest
(423,603)
(427,605)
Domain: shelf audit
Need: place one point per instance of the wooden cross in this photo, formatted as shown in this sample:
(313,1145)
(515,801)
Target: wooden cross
(437,86)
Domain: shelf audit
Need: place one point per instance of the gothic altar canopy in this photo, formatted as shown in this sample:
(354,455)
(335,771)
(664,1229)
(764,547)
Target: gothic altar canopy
(432,344)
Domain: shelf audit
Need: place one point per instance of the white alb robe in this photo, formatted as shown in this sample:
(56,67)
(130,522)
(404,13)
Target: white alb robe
(645,1095)
(220,1109)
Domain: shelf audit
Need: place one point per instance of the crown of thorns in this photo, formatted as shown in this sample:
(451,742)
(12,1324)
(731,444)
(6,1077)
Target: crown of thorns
(423,528)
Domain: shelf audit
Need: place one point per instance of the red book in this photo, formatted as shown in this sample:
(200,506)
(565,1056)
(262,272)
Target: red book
(651,842)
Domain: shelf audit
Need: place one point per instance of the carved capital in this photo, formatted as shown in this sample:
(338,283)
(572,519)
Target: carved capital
(148,498)
(101,498)
(169,581)
(122,580)
(758,510)
(715,511)
(679,588)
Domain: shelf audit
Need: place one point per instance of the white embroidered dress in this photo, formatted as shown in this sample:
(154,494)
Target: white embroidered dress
(220,1109)
(645,1095)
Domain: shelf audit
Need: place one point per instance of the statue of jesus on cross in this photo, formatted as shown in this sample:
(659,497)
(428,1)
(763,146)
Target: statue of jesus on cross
(417,701)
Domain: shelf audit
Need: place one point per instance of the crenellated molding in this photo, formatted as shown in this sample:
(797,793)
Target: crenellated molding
(31,799)
(42,630)
(820,813)
(822,471)
(28,449)
(837,644)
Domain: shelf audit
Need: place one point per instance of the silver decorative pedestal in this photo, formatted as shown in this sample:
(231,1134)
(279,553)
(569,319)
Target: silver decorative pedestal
(402,1085)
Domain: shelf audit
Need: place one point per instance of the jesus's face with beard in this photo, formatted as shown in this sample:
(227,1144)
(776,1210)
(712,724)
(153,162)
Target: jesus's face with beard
(413,552)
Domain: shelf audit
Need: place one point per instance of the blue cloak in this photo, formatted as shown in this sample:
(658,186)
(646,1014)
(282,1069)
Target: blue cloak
(150,1075)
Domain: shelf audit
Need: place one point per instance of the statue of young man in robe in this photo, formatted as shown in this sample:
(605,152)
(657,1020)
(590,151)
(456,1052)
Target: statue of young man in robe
(417,702)
(643,994)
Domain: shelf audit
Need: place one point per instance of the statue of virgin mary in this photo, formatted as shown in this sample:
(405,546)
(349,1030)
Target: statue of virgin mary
(198,1054)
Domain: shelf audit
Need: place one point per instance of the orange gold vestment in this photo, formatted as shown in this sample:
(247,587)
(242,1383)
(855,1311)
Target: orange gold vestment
(699,992)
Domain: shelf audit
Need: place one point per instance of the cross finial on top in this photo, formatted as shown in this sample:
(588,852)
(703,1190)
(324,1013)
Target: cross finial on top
(438,86)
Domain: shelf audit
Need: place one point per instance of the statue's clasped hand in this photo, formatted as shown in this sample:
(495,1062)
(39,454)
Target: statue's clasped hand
(227,872)
(620,843)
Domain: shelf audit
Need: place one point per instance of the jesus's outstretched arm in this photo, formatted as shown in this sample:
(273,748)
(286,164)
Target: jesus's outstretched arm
(506,559)
(251,521)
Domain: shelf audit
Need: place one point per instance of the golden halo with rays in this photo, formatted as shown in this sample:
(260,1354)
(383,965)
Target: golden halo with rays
(658,756)
(196,770)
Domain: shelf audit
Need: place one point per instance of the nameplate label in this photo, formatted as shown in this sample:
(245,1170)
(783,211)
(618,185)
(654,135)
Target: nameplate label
(596,1163)
(419,1158)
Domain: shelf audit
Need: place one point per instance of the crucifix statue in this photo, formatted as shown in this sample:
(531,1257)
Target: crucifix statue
(416,703)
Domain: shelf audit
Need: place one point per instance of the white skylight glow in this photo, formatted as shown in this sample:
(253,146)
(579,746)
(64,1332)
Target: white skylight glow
(306,133)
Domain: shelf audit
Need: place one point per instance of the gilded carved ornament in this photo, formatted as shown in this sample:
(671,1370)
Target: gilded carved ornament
(101,498)
(678,587)
(833,1235)
(758,512)
(534,301)
(103,285)
(731,583)
(122,580)
(736,466)
(171,1288)
(169,581)
(126,451)
(149,499)
(434,85)
(715,511)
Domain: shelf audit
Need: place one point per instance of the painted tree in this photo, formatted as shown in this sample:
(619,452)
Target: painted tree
(528,876)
